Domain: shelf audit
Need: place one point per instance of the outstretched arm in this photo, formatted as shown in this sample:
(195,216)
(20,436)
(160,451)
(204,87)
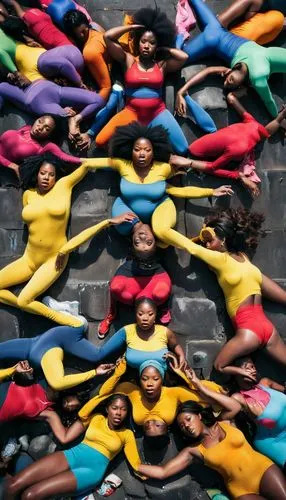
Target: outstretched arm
(196,192)
(244,9)
(177,464)
(272,291)
(7,372)
(63,434)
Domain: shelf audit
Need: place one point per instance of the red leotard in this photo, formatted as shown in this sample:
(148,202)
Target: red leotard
(24,402)
(16,145)
(145,108)
(43,29)
(231,143)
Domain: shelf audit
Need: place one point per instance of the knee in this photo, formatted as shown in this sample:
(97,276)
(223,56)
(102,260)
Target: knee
(22,301)
(116,288)
(31,494)
(274,19)
(161,293)
(158,229)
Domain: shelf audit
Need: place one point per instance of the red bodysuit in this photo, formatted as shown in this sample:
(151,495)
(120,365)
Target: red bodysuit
(24,402)
(231,143)
(43,29)
(16,145)
(146,108)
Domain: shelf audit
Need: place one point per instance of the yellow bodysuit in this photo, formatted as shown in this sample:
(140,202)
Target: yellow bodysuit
(46,216)
(27,61)
(241,467)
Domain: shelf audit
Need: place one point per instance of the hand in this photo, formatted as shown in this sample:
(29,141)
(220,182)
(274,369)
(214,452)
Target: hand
(22,80)
(180,105)
(60,261)
(183,364)
(23,367)
(244,372)
(31,42)
(180,163)
(15,167)
(127,217)
(121,366)
(105,369)
(69,111)
(191,375)
(223,191)
(83,141)
(173,361)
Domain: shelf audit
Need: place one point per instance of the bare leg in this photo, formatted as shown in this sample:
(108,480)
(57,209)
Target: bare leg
(238,9)
(42,469)
(276,347)
(272,291)
(244,342)
(65,482)
(199,165)
(273,484)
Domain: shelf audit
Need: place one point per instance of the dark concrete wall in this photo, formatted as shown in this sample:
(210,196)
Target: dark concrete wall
(197,306)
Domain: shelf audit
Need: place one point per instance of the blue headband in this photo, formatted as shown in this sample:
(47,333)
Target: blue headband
(155,364)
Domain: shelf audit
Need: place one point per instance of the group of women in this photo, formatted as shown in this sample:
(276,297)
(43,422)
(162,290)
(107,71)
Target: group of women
(44,50)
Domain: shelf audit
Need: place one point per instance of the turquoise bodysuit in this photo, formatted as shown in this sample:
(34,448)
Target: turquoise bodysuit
(261,63)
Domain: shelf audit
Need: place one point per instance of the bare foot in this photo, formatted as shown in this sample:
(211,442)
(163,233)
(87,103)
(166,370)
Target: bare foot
(74,129)
(251,187)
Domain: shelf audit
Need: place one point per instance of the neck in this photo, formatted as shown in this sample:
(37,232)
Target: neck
(145,332)
(146,63)
(142,172)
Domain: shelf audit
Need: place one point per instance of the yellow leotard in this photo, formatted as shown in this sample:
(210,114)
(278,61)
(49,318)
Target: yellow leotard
(165,409)
(7,372)
(46,216)
(27,61)
(241,467)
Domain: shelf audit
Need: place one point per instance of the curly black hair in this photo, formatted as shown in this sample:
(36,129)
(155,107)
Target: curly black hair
(240,228)
(73,19)
(31,166)
(121,144)
(157,22)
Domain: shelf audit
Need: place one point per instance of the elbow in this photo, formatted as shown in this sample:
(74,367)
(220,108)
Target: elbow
(219,366)
(230,98)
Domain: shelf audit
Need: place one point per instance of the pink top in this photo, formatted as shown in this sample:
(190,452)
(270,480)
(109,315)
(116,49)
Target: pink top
(16,145)
(256,394)
(43,29)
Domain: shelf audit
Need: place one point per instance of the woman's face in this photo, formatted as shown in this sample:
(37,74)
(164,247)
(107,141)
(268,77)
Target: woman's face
(43,127)
(46,177)
(144,243)
(213,242)
(116,413)
(154,428)
(190,424)
(145,316)
(71,403)
(250,368)
(81,33)
(142,153)
(147,45)
(151,383)
(234,79)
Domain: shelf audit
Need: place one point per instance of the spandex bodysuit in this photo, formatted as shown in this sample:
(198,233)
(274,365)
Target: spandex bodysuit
(7,52)
(145,105)
(164,409)
(216,40)
(46,216)
(89,460)
(65,61)
(16,145)
(44,97)
(270,437)
(261,28)
(43,29)
(228,144)
(144,198)
(132,281)
(241,467)
(98,61)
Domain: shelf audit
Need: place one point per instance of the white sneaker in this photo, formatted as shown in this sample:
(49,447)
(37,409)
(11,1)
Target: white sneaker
(71,307)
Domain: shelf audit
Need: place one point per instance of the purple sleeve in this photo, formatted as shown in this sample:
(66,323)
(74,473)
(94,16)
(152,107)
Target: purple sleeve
(53,148)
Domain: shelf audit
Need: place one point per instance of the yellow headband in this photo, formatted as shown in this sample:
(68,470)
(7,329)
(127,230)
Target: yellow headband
(205,229)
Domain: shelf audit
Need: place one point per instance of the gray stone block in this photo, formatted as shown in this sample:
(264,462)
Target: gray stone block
(202,353)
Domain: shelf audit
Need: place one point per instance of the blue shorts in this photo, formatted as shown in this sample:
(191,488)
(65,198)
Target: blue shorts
(87,464)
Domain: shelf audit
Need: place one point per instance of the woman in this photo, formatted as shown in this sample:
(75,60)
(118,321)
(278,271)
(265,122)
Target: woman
(46,352)
(44,97)
(247,474)
(34,61)
(83,466)
(144,76)
(145,339)
(25,398)
(140,155)
(249,62)
(30,140)
(154,406)
(138,277)
(233,143)
(265,403)
(90,39)
(47,204)
(259,20)
(227,235)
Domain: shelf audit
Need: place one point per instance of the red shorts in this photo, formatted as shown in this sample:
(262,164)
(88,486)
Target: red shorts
(127,289)
(146,109)
(252,317)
